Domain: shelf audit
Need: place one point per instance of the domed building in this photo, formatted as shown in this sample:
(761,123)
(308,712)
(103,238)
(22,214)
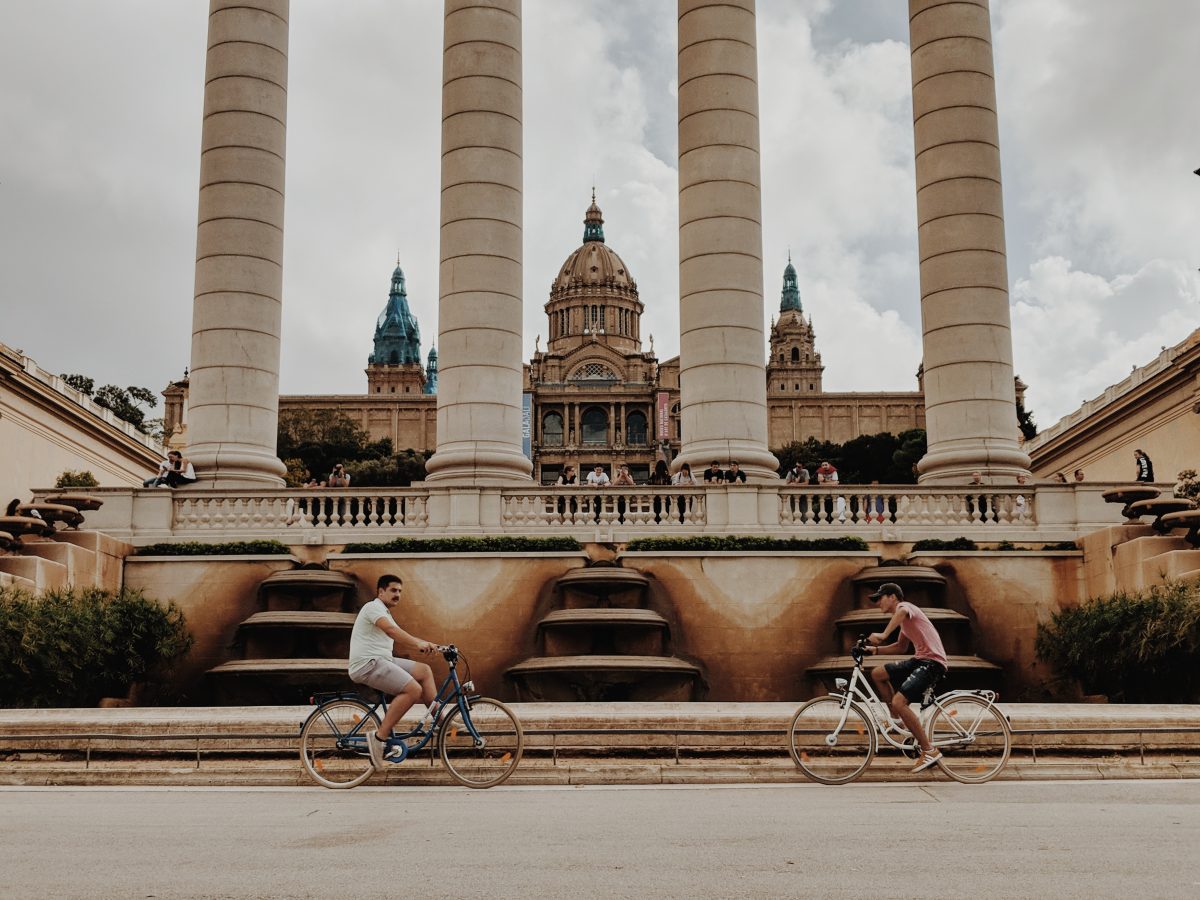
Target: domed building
(595,395)
(594,390)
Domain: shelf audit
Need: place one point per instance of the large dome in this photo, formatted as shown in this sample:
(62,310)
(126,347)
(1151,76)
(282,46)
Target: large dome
(593,263)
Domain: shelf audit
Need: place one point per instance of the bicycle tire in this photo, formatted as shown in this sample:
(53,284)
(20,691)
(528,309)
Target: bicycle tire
(331,756)
(481,766)
(809,735)
(986,754)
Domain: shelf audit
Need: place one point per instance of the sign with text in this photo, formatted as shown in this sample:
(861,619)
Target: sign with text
(527,424)
(663,415)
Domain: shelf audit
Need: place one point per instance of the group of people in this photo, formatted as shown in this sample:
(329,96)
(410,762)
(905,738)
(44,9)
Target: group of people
(661,475)
(174,471)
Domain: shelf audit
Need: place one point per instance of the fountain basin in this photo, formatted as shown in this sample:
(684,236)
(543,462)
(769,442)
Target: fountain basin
(605,677)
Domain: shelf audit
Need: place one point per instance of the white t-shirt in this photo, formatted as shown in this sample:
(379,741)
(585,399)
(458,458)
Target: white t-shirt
(368,641)
(601,478)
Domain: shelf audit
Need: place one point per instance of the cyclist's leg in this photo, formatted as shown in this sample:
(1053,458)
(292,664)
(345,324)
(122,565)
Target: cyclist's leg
(392,677)
(923,673)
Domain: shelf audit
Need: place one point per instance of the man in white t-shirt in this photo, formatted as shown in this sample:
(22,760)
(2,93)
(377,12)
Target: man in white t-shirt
(372,643)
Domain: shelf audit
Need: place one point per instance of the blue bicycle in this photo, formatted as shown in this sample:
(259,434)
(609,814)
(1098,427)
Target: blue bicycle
(479,740)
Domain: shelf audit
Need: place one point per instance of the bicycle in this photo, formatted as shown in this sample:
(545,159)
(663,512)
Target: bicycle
(834,738)
(479,740)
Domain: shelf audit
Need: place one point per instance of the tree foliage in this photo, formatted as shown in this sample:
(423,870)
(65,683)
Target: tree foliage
(313,441)
(1139,647)
(126,403)
(72,479)
(72,647)
(884,457)
(1025,422)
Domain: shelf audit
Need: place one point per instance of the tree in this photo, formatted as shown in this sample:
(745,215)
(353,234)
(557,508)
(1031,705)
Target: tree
(81,383)
(1025,422)
(312,441)
(914,443)
(883,457)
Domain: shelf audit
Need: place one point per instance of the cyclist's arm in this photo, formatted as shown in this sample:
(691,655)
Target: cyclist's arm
(901,643)
(402,638)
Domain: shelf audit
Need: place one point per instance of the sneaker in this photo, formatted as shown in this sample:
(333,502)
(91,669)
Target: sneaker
(928,758)
(375,749)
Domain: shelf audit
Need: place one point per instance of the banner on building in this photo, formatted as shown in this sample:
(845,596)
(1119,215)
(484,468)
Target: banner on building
(663,416)
(527,424)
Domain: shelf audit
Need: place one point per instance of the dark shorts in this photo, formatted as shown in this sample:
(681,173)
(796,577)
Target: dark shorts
(911,677)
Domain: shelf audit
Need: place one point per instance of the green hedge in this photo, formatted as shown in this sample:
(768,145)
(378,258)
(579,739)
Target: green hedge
(1139,647)
(233,548)
(70,648)
(961,543)
(468,545)
(737,544)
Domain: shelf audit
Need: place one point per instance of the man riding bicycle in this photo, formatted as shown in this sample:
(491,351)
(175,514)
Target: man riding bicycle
(372,642)
(902,683)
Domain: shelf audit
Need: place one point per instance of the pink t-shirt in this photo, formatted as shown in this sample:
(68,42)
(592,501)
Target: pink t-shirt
(920,632)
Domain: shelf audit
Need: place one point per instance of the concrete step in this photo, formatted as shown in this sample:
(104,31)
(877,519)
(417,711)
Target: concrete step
(566,743)
(44,574)
(16,581)
(534,770)
(80,563)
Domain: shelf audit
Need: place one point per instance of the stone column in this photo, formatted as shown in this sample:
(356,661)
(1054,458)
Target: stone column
(722,347)
(479,315)
(234,391)
(970,410)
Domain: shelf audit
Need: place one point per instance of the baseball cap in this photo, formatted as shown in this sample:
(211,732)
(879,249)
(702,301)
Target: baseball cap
(888,587)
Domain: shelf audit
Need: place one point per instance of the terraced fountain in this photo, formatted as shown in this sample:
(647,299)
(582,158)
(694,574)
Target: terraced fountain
(603,642)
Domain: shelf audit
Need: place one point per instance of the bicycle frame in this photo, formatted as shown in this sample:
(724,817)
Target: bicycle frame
(852,690)
(451,690)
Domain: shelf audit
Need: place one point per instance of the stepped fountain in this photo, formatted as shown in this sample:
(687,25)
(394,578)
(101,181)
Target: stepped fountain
(297,643)
(603,642)
(925,587)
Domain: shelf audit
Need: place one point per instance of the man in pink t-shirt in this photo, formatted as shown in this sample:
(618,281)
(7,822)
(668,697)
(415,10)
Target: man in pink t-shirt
(905,682)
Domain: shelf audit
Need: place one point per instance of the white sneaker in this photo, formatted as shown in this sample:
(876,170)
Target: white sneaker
(928,758)
(375,749)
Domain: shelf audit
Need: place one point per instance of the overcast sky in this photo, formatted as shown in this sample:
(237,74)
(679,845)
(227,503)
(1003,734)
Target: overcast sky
(99,164)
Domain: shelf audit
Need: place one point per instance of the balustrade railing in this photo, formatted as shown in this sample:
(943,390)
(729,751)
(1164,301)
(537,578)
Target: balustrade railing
(657,507)
(339,510)
(286,514)
(908,506)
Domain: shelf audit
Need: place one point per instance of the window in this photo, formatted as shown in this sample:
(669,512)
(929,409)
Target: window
(552,431)
(550,474)
(795,354)
(594,424)
(593,372)
(635,429)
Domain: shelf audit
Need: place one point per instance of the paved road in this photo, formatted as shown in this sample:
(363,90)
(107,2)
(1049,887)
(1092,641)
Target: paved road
(1057,839)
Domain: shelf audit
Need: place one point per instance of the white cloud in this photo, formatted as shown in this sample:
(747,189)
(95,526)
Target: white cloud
(1077,332)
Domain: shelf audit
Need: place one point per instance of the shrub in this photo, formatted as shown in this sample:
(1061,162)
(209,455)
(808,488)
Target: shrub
(70,648)
(744,544)
(71,479)
(960,543)
(1061,545)
(468,545)
(1010,547)
(1139,647)
(1188,486)
(198,548)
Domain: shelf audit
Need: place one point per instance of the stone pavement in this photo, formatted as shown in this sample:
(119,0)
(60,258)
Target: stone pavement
(595,743)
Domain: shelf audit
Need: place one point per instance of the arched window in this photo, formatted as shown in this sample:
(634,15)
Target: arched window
(795,354)
(635,429)
(595,427)
(552,430)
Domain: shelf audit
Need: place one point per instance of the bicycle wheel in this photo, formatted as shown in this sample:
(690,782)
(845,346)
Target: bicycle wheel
(333,743)
(823,751)
(974,737)
(490,760)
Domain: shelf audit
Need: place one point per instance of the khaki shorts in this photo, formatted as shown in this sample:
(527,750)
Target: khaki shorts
(388,675)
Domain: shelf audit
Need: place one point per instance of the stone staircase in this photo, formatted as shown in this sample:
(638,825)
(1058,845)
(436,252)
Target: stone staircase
(566,743)
(79,558)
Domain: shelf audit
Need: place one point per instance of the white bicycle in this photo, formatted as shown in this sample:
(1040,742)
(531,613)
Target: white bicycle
(834,738)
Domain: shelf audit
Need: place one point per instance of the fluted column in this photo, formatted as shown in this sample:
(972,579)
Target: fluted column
(722,348)
(479,315)
(970,405)
(234,390)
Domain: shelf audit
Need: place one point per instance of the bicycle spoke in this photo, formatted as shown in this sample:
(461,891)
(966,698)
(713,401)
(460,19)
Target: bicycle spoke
(974,738)
(831,744)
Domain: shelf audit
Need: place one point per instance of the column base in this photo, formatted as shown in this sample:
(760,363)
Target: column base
(236,466)
(478,465)
(957,463)
(756,461)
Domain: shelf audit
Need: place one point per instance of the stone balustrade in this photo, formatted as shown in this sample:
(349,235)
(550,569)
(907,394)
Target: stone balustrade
(1042,513)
